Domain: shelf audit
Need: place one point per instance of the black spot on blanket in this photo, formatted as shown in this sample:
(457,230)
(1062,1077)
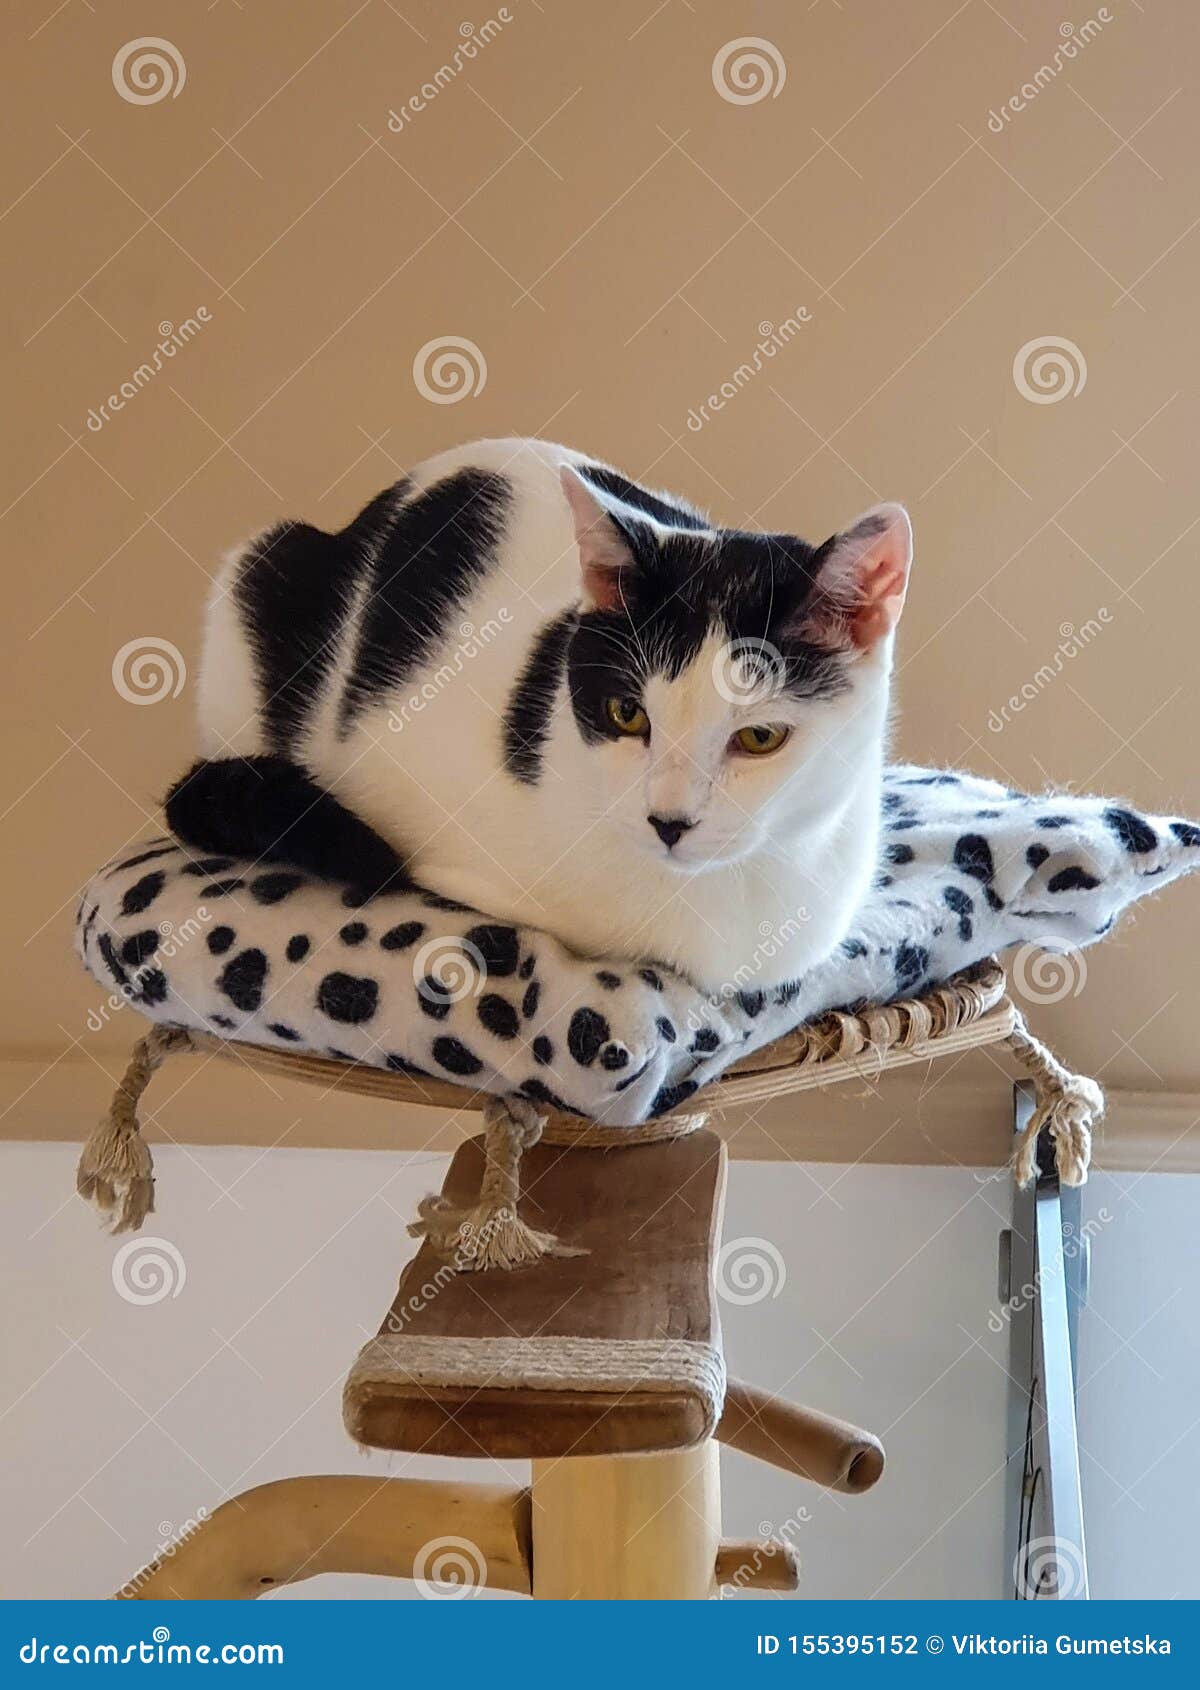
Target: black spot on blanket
(435,998)
(348,998)
(499,948)
(1073,879)
(973,856)
(435,901)
(204,866)
(666,1030)
(963,906)
(543,1050)
(670,1097)
(1035,856)
(140,947)
(143,892)
(608,979)
(399,938)
(454,1056)
(912,965)
(274,888)
(1134,832)
(353,933)
(298,947)
(220,939)
(498,1015)
(242,979)
(587,1032)
(529,1003)
(900,854)
(1187,833)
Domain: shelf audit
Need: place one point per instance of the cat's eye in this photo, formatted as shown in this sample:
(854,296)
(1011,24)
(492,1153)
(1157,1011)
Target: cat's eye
(760,742)
(627,716)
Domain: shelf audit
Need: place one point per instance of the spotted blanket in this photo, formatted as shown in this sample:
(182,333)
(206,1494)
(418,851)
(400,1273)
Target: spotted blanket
(415,983)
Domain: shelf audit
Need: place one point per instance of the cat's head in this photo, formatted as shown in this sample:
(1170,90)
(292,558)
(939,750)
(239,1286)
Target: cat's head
(732,686)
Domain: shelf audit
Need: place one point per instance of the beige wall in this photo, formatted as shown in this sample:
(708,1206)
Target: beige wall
(583,205)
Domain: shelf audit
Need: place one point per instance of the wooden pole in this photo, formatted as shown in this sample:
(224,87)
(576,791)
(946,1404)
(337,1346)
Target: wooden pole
(627,1527)
(438,1531)
(799,1440)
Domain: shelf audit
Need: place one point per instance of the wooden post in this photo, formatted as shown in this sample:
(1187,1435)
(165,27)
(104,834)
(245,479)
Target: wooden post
(627,1527)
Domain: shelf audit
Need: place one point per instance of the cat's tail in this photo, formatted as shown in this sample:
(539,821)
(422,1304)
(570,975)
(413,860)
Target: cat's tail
(269,809)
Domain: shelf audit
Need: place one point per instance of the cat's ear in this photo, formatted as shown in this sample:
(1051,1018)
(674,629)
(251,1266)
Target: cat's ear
(604,554)
(861,581)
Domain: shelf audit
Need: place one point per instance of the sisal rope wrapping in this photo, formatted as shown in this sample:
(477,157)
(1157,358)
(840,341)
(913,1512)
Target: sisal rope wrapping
(116,1170)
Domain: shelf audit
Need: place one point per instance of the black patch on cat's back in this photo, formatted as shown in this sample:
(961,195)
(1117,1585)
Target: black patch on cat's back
(531,702)
(294,588)
(440,545)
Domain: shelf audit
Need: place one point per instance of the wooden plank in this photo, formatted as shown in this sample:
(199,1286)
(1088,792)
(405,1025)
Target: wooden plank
(649,1219)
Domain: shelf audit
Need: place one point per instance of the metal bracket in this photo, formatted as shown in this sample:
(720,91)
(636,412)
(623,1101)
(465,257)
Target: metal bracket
(1043,1285)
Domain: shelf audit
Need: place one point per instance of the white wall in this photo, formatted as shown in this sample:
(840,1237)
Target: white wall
(119,1419)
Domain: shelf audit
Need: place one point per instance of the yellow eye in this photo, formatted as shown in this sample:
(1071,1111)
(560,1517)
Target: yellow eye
(760,742)
(627,715)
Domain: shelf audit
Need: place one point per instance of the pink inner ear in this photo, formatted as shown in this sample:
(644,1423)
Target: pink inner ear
(602,585)
(882,582)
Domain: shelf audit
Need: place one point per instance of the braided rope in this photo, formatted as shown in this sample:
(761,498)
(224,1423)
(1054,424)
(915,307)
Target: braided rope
(1068,1104)
(116,1170)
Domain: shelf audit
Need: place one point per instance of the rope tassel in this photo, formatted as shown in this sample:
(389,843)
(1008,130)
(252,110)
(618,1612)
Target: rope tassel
(491,1234)
(116,1170)
(1070,1105)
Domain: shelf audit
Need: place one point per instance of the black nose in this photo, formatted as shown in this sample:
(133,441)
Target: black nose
(670,829)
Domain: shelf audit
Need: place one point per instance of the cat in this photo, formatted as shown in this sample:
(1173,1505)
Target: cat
(552,695)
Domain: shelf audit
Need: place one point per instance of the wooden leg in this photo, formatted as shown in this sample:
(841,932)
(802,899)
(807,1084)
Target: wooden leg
(293,1529)
(627,1527)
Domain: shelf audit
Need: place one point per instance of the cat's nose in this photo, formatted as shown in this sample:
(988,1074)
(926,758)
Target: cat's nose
(670,829)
